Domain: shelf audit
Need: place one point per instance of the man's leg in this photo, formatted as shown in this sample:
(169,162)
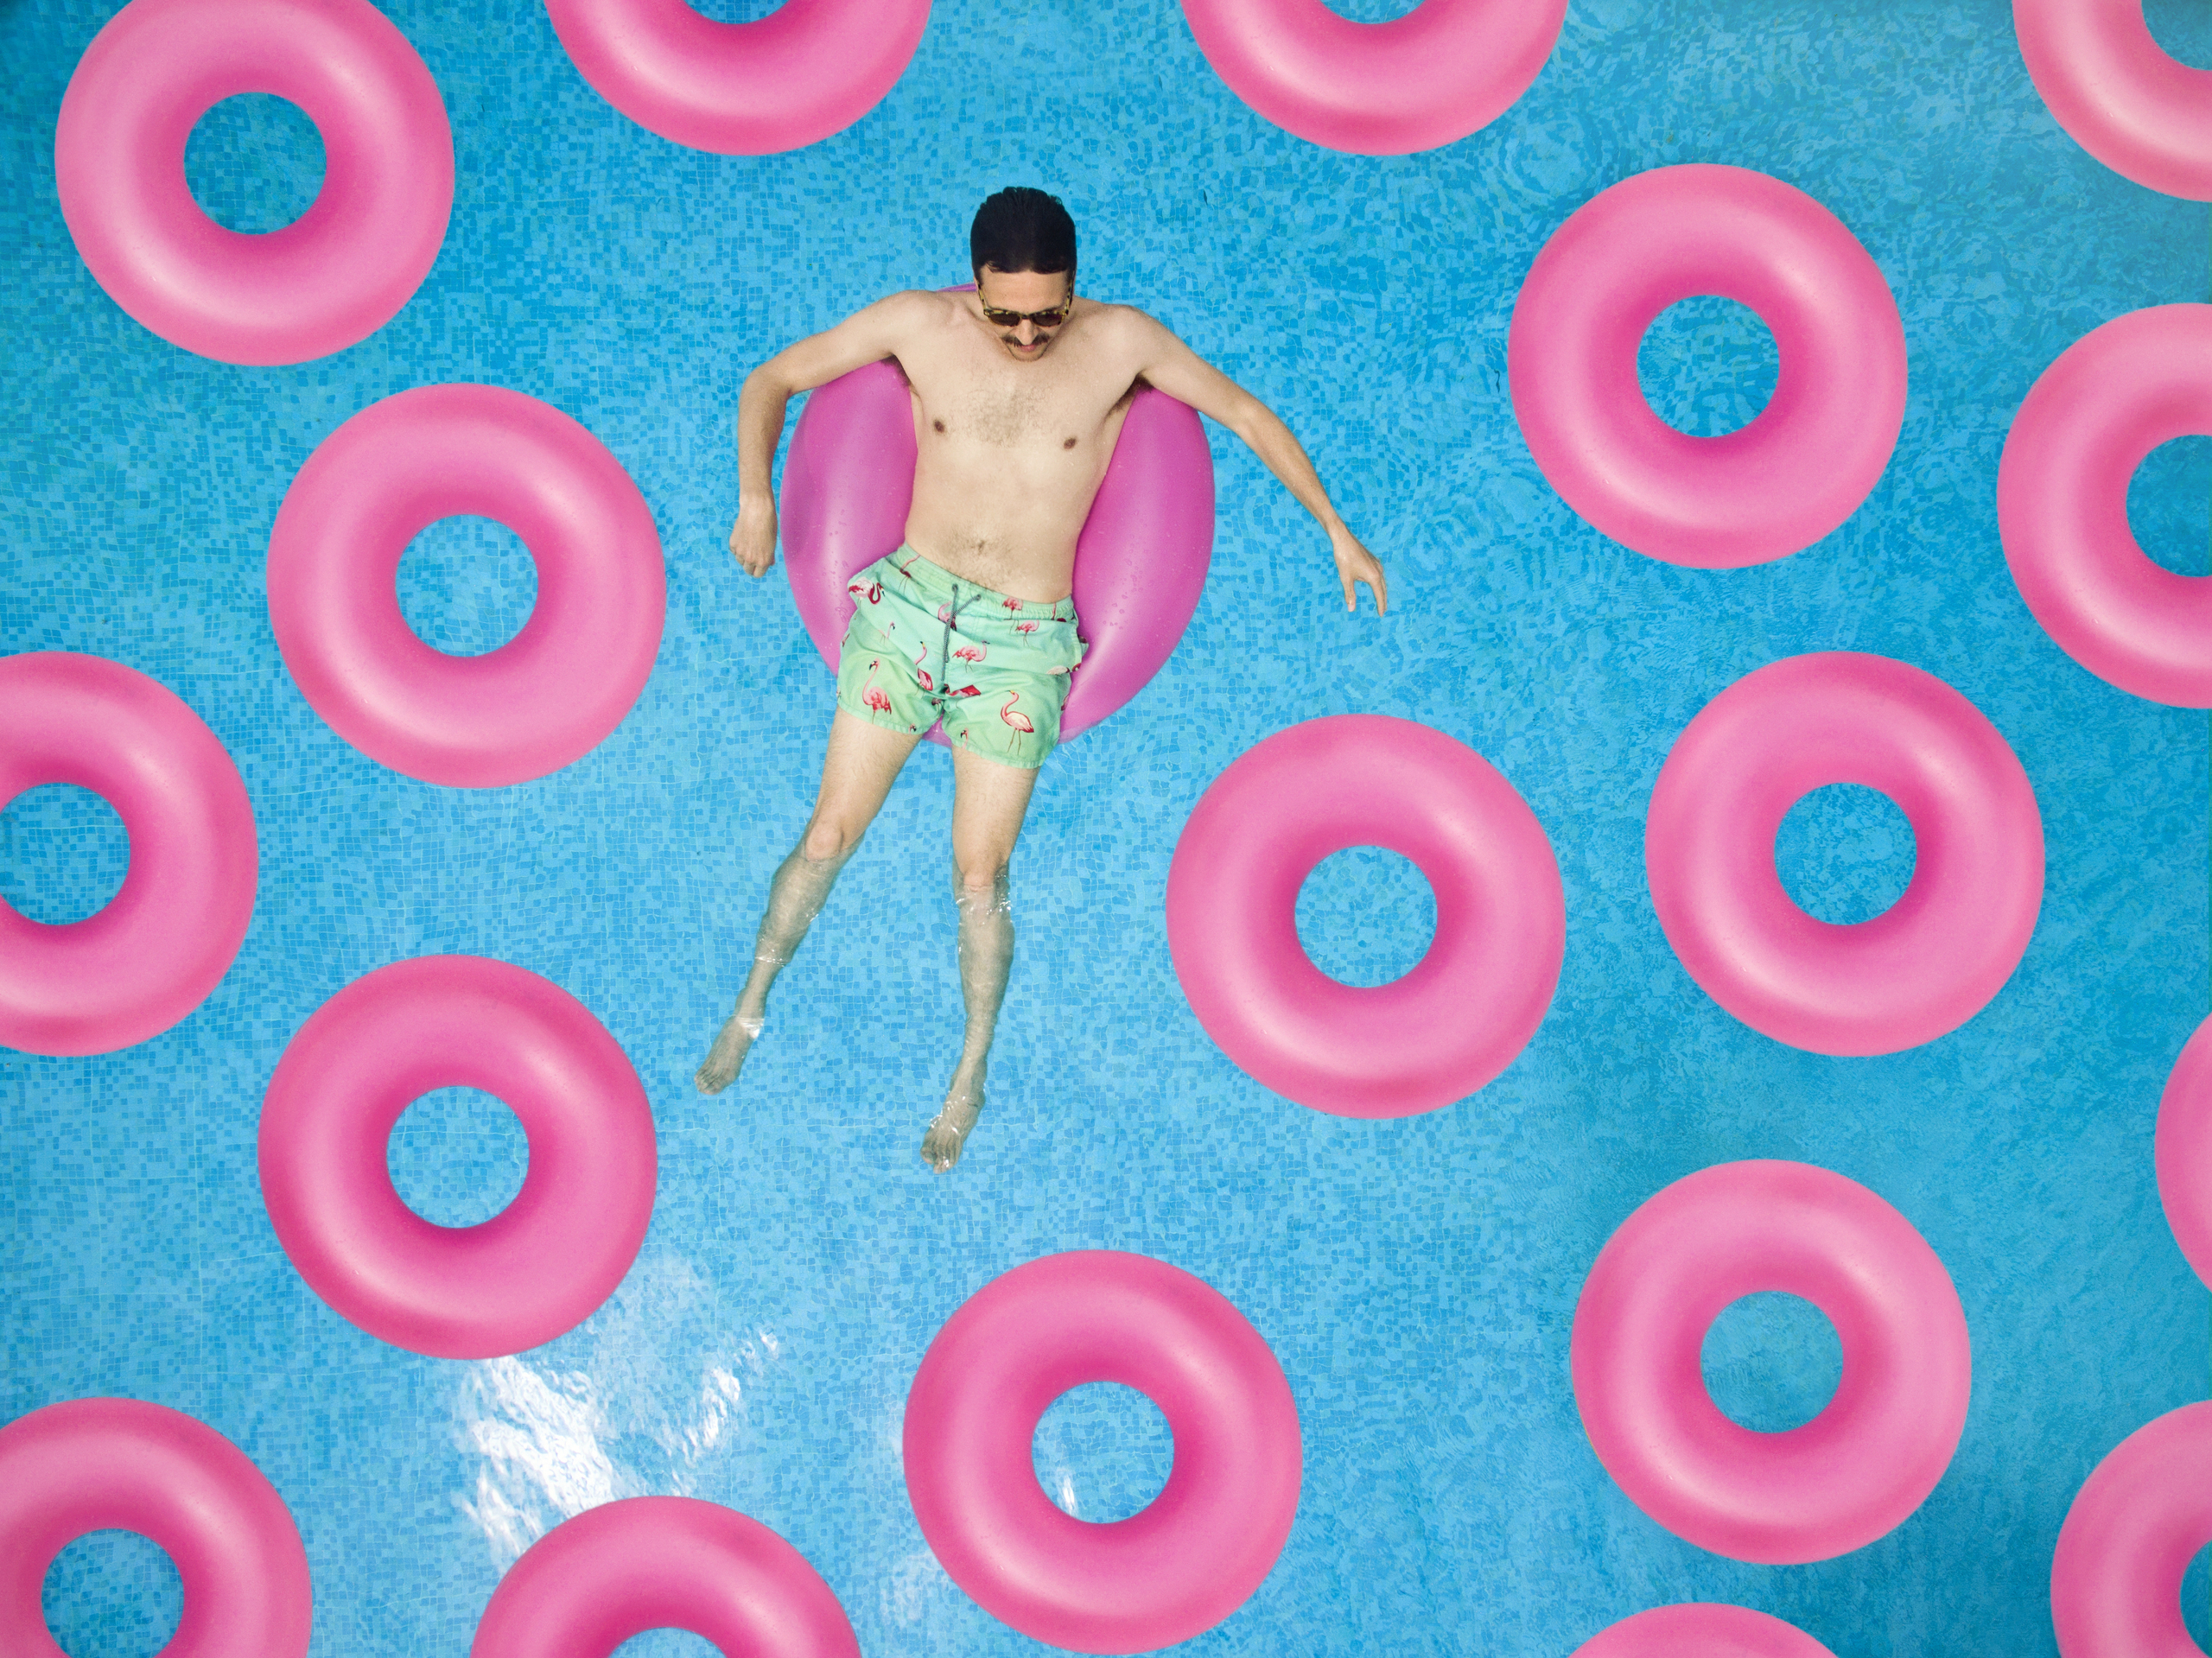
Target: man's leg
(857,772)
(988,801)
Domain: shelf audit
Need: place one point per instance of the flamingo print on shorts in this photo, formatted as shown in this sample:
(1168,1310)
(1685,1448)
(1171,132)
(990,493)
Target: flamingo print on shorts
(924,647)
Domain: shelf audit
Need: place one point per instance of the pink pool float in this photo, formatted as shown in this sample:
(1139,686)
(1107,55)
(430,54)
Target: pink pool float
(333,276)
(1769,489)
(1199,1550)
(1925,965)
(663,1563)
(96,1465)
(2136,1524)
(1445,69)
(549,694)
(1471,1004)
(2118,93)
(542,1264)
(2184,1151)
(1140,564)
(1835,1483)
(162,944)
(1702,1630)
(2112,397)
(809,69)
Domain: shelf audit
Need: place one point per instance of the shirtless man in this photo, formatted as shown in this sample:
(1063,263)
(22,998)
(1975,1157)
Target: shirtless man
(1019,390)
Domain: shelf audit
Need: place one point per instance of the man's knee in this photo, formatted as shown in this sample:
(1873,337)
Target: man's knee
(827,839)
(980,873)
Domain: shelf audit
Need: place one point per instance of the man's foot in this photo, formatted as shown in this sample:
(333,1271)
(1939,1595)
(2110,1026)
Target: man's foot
(950,1128)
(720,1068)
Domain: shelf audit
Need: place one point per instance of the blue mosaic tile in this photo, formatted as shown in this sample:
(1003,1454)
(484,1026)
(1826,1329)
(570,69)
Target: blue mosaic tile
(1417,1279)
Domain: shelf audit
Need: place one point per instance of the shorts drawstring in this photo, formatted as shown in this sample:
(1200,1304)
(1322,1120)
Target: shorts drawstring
(951,627)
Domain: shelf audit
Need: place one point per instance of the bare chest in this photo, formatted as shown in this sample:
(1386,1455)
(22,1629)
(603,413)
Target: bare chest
(1055,405)
(1008,416)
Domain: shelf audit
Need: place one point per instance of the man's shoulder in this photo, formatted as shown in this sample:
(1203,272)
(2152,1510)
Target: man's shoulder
(1114,317)
(918,308)
(1122,337)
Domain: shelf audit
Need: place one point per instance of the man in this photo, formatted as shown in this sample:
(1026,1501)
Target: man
(1019,391)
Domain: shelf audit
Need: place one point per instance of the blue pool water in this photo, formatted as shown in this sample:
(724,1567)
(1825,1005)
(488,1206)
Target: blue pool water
(1417,1278)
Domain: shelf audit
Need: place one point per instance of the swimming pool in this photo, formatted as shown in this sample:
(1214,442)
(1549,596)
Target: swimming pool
(1416,1278)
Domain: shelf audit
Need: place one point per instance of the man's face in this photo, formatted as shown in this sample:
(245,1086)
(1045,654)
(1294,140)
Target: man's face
(1026,291)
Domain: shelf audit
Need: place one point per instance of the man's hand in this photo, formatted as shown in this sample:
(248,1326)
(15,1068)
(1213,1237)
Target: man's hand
(1355,564)
(752,538)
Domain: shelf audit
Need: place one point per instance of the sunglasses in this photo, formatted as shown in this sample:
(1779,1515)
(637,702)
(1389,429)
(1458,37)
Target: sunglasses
(1051,319)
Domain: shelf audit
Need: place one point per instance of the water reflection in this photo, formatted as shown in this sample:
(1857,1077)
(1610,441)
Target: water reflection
(623,1406)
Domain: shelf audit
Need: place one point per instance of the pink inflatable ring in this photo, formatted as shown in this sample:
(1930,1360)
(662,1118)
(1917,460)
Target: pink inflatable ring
(1445,69)
(1924,966)
(547,696)
(96,1464)
(1187,1560)
(663,1563)
(1856,1471)
(1702,1630)
(162,943)
(1769,489)
(809,69)
(1140,565)
(542,1265)
(2112,397)
(332,277)
(2136,1524)
(2117,92)
(1471,1004)
(2184,1151)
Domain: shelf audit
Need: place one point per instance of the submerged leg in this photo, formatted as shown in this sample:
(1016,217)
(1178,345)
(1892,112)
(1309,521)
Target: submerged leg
(986,959)
(796,896)
(988,803)
(857,772)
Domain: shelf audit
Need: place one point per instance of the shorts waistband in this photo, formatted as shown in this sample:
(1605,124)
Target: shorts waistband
(942,586)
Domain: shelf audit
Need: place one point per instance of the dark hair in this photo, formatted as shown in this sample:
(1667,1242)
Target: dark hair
(1022,229)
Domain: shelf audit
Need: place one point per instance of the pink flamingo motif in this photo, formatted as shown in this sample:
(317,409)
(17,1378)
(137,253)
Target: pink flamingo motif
(1025,627)
(873,696)
(969,653)
(1011,604)
(1019,721)
(922,673)
(944,614)
(871,591)
(908,569)
(969,691)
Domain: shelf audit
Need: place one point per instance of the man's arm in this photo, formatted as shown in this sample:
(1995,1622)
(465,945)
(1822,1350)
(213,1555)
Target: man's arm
(867,336)
(1175,368)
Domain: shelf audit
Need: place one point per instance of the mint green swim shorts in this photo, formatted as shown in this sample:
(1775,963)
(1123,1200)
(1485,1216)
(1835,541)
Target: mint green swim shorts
(926,646)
